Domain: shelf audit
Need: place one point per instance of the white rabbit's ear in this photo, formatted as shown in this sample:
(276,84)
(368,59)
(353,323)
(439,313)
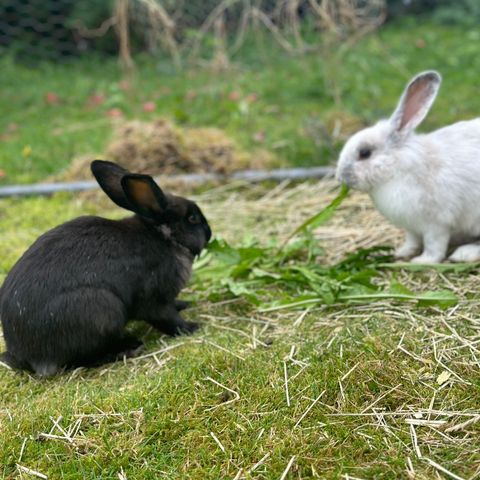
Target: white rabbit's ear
(415,102)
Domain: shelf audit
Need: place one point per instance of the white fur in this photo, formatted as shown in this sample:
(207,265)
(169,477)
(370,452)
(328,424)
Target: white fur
(428,185)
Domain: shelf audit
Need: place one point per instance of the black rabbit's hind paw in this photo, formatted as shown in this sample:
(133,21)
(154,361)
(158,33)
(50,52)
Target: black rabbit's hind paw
(46,369)
(132,347)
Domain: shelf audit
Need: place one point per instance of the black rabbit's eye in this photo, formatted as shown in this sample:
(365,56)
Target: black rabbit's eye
(194,219)
(364,153)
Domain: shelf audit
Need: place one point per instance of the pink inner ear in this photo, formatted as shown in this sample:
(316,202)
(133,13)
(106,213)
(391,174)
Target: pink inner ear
(417,98)
(142,194)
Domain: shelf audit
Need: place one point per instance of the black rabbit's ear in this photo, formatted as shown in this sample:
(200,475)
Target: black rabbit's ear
(109,176)
(144,195)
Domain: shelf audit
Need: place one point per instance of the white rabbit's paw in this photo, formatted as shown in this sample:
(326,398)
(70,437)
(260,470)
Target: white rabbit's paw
(427,258)
(406,251)
(466,253)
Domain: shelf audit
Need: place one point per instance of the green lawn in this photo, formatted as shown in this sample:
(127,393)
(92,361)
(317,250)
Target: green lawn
(381,390)
(299,100)
(360,378)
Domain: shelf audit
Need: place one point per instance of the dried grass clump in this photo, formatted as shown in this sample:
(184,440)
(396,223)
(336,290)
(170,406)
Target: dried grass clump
(209,147)
(161,148)
(155,147)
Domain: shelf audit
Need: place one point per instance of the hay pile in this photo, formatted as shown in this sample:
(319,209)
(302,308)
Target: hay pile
(160,147)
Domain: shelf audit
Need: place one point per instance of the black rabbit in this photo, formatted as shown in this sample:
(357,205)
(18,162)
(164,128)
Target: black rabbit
(66,301)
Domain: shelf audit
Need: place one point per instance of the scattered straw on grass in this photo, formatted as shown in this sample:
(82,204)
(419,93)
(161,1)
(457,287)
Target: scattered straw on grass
(31,472)
(287,468)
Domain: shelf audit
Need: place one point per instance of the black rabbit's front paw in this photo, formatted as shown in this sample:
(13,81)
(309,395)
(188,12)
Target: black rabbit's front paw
(182,305)
(185,328)
(190,327)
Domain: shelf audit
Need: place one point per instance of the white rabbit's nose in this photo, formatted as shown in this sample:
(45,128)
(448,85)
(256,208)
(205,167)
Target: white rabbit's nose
(345,175)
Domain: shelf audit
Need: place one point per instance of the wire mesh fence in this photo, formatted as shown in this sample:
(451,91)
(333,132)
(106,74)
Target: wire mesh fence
(181,30)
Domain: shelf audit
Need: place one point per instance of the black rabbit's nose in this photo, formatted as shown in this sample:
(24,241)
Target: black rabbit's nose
(208,233)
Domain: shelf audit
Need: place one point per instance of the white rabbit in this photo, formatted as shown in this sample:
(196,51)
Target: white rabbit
(426,184)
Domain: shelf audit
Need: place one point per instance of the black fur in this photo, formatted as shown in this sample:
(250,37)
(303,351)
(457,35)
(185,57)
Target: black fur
(66,302)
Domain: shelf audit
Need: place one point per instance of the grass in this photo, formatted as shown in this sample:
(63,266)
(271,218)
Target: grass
(370,387)
(303,108)
(334,390)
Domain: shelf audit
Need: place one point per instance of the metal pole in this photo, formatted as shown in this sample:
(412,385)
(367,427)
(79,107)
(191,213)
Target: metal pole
(252,176)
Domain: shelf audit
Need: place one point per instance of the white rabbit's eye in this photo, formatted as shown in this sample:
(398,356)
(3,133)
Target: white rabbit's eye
(364,153)
(194,219)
